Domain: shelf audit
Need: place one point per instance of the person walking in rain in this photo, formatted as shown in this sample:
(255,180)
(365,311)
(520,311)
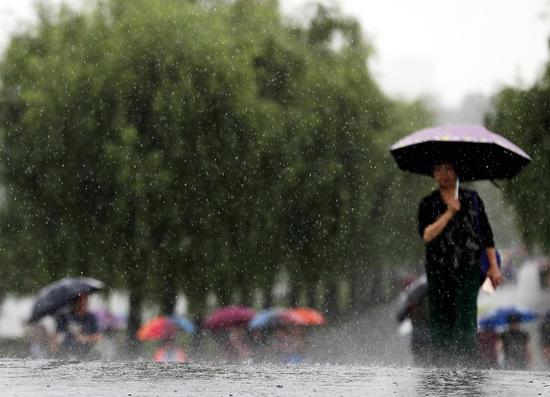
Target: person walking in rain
(515,343)
(77,330)
(41,343)
(421,339)
(447,220)
(168,351)
(544,334)
(414,306)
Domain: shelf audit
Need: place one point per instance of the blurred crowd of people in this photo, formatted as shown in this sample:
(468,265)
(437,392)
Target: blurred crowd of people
(507,346)
(503,339)
(281,337)
(237,334)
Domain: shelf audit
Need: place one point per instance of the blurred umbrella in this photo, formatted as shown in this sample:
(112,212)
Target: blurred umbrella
(500,317)
(56,295)
(163,327)
(184,323)
(108,320)
(227,317)
(304,316)
(413,295)
(476,152)
(269,318)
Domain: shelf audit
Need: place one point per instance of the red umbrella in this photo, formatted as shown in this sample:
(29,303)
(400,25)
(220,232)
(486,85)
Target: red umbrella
(304,316)
(160,327)
(164,327)
(227,317)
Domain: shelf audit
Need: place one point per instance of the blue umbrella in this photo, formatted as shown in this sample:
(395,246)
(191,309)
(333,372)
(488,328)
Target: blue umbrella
(500,317)
(266,318)
(184,323)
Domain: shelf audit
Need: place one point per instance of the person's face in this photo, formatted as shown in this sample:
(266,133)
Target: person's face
(81,304)
(445,175)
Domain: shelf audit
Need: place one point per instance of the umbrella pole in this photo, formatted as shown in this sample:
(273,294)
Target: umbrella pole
(457,183)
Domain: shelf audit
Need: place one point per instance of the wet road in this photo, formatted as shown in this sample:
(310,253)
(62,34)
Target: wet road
(55,378)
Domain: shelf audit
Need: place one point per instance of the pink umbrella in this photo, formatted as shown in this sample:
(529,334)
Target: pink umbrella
(228,317)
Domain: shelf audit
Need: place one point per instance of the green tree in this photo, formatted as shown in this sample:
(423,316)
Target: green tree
(522,116)
(169,145)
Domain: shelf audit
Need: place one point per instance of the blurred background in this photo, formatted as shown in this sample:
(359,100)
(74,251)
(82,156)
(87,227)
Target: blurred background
(199,154)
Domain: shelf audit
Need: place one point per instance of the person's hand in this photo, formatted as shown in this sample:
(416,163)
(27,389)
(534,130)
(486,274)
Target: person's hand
(495,275)
(453,205)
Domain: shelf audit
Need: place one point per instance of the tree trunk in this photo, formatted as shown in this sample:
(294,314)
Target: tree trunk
(223,293)
(268,298)
(267,291)
(247,291)
(197,303)
(376,293)
(330,304)
(358,286)
(169,296)
(247,296)
(135,296)
(311,294)
(294,295)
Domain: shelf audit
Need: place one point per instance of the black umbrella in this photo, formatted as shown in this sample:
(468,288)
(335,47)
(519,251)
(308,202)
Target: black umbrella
(476,152)
(412,296)
(58,294)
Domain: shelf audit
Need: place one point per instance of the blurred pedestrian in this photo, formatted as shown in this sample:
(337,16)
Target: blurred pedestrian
(281,345)
(169,352)
(515,345)
(41,343)
(259,341)
(544,334)
(544,274)
(109,325)
(414,306)
(448,221)
(77,330)
(421,341)
(299,344)
(488,345)
(197,348)
(236,345)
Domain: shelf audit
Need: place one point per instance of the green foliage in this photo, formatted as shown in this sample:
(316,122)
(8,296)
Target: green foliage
(523,116)
(167,145)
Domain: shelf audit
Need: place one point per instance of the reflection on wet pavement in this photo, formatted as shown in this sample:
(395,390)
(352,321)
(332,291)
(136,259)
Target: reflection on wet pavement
(59,378)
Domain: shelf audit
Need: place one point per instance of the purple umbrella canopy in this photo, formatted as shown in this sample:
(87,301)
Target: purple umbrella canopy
(228,317)
(109,321)
(476,152)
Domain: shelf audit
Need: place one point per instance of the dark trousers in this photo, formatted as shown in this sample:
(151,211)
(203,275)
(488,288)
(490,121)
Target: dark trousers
(452,296)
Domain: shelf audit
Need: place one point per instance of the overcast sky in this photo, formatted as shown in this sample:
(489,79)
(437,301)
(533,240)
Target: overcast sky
(449,48)
(441,48)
